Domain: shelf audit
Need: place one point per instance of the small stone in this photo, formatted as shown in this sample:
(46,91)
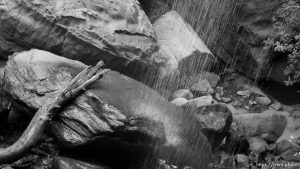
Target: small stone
(180,101)
(183,93)
(263,101)
(226,99)
(276,106)
(242,161)
(244,94)
(202,87)
(201,101)
(217,95)
(247,107)
(251,103)
(257,144)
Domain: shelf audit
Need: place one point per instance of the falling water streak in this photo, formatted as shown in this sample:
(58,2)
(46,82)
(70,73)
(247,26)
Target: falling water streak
(215,21)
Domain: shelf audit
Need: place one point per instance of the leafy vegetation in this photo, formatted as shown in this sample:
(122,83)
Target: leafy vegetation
(287,24)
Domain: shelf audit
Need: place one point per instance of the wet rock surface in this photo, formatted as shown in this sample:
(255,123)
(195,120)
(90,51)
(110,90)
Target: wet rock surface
(216,120)
(268,125)
(174,38)
(116,111)
(117,32)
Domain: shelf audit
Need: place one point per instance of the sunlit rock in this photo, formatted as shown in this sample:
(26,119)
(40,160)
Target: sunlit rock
(200,101)
(183,93)
(202,87)
(117,32)
(181,46)
(180,101)
(117,115)
(269,125)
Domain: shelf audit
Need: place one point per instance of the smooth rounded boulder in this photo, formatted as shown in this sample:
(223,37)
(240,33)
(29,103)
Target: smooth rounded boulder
(117,118)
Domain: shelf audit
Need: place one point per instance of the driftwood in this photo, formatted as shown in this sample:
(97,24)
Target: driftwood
(32,135)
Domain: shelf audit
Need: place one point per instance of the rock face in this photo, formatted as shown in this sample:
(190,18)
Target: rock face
(117,32)
(182,46)
(116,112)
(256,24)
(269,125)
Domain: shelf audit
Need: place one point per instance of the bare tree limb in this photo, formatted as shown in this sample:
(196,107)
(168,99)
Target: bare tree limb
(35,129)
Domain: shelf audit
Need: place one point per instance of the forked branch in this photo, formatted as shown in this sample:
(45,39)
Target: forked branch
(35,129)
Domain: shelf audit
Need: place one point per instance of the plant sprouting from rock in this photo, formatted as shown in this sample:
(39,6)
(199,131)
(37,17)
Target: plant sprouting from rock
(287,42)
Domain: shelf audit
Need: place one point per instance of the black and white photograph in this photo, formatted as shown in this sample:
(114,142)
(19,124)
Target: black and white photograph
(149,84)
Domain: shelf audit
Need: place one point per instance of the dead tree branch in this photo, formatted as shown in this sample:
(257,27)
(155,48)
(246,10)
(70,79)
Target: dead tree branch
(35,129)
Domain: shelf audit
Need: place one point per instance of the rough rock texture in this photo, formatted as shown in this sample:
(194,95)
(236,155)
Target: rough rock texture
(255,24)
(116,112)
(269,125)
(217,23)
(117,32)
(181,46)
(67,163)
(216,120)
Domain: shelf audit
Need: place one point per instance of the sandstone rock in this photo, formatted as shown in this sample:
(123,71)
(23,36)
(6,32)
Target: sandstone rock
(265,101)
(117,32)
(269,125)
(180,101)
(202,87)
(198,102)
(257,145)
(216,120)
(67,163)
(117,114)
(181,46)
(183,93)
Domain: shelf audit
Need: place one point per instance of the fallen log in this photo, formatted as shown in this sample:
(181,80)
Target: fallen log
(35,129)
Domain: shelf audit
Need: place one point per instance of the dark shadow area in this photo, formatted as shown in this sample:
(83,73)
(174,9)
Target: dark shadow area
(288,95)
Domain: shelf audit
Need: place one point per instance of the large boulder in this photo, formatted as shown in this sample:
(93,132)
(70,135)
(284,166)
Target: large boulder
(180,46)
(117,115)
(117,32)
(269,125)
